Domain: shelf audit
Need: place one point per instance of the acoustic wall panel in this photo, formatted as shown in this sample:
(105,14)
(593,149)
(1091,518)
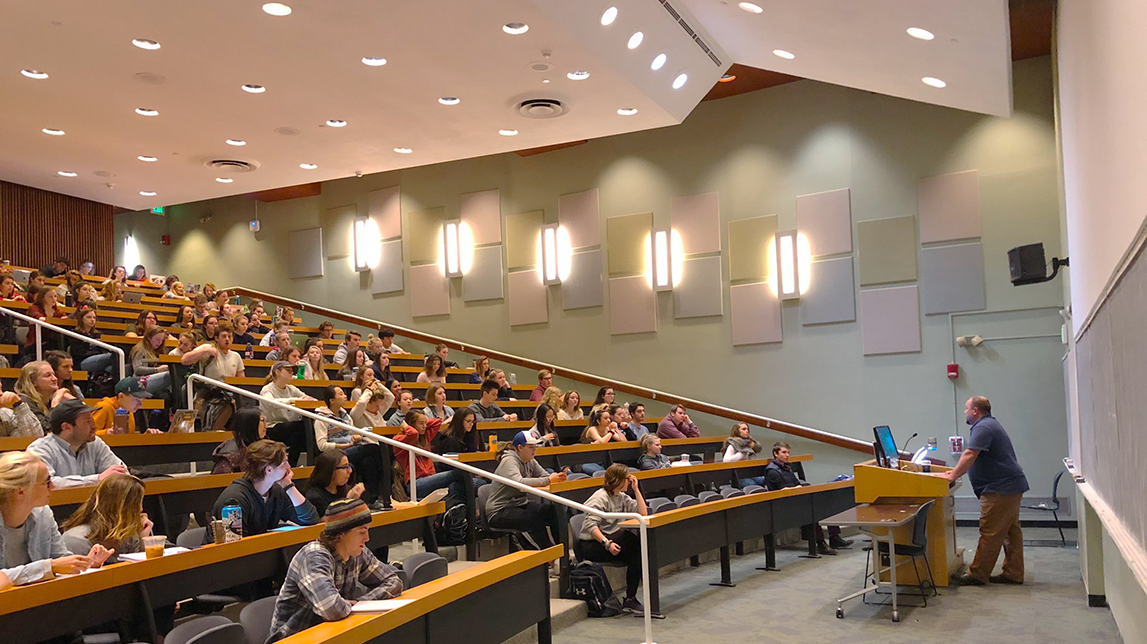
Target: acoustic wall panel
(423,228)
(386,277)
(699,293)
(952,278)
(527,299)
(748,244)
(522,231)
(579,213)
(890,320)
(384,207)
(755,314)
(826,218)
(338,224)
(697,219)
(482,212)
(830,297)
(484,281)
(305,248)
(949,206)
(626,238)
(429,291)
(632,306)
(583,288)
(887,250)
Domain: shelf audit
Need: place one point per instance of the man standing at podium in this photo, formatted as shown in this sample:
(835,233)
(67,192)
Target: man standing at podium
(999,482)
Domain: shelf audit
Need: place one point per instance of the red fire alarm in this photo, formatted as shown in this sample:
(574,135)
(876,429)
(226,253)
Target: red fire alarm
(165,240)
(953,371)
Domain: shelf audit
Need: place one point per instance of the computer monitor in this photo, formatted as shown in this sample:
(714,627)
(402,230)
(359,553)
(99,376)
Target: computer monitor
(887,443)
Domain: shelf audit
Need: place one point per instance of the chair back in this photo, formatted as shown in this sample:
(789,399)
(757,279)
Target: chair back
(1054,505)
(575,476)
(731,492)
(183,633)
(576,522)
(422,567)
(660,504)
(708,495)
(686,500)
(229,633)
(191,539)
(920,526)
(484,496)
(256,618)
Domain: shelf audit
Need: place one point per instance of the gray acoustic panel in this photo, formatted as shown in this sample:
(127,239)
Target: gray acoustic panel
(484,280)
(528,301)
(632,306)
(755,314)
(698,294)
(887,250)
(831,293)
(386,277)
(338,229)
(579,214)
(890,320)
(482,212)
(305,249)
(429,291)
(949,206)
(697,219)
(826,218)
(384,207)
(583,288)
(952,278)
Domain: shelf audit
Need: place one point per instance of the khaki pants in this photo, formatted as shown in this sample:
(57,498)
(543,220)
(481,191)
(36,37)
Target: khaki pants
(999,527)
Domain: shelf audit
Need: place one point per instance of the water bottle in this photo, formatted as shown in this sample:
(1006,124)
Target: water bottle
(301,371)
(513,378)
(232,521)
(120,423)
(249,353)
(493,443)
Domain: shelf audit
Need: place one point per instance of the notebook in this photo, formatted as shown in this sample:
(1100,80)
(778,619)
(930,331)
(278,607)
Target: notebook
(379,605)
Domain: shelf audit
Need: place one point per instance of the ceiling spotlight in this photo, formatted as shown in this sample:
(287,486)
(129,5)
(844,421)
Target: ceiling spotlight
(515,28)
(635,40)
(922,34)
(609,16)
(578,75)
(224,179)
(508,132)
(627,111)
(679,82)
(373,61)
(66,173)
(934,82)
(750,7)
(403,150)
(727,78)
(545,80)
(336,123)
(147,193)
(34,73)
(787,55)
(147,159)
(144,43)
(146,111)
(658,62)
(450,100)
(308,166)
(52,131)
(236,142)
(277,9)
(252,88)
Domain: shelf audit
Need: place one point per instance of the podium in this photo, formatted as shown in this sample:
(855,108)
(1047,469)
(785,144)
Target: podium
(874,484)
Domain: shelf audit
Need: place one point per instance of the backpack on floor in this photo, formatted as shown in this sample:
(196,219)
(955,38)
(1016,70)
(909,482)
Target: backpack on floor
(450,528)
(101,384)
(589,584)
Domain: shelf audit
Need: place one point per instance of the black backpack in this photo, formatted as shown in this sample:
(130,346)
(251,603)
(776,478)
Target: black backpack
(450,528)
(589,583)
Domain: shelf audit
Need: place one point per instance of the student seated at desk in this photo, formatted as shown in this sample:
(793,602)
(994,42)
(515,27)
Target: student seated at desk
(144,357)
(284,426)
(62,366)
(128,397)
(433,370)
(543,429)
(16,417)
(266,493)
(216,358)
(676,424)
(571,407)
(247,426)
(370,408)
(459,436)
(636,429)
(651,457)
(112,517)
(481,369)
(604,399)
(780,475)
(38,387)
(366,456)
(31,548)
(332,573)
(405,403)
(73,453)
(602,540)
(740,446)
(487,408)
(330,481)
(436,406)
(511,509)
(420,432)
(601,428)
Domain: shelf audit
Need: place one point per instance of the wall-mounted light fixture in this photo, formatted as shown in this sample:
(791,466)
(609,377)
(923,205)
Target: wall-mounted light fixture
(452,248)
(793,255)
(555,261)
(366,244)
(662,261)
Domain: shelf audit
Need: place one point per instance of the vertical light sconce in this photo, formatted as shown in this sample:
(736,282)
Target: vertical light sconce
(366,243)
(794,265)
(662,261)
(556,259)
(360,260)
(452,248)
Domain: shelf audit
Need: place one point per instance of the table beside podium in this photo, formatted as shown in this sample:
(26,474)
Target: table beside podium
(911,485)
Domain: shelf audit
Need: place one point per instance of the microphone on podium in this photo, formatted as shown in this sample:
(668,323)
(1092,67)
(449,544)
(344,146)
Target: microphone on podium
(904,447)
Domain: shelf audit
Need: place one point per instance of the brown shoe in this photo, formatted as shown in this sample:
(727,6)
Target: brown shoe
(822,548)
(1000,579)
(964,579)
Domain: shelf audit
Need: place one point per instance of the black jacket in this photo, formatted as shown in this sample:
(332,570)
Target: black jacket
(259,514)
(780,475)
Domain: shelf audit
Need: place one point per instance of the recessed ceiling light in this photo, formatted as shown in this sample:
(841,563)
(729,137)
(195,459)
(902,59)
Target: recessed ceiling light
(545,80)
(403,150)
(578,75)
(147,159)
(336,123)
(922,34)
(308,166)
(515,28)
(508,132)
(679,82)
(787,55)
(252,88)
(146,111)
(450,100)
(658,62)
(66,173)
(750,7)
(635,40)
(727,78)
(52,131)
(277,9)
(224,179)
(627,111)
(147,193)
(373,61)
(609,16)
(144,43)
(934,82)
(236,142)
(34,73)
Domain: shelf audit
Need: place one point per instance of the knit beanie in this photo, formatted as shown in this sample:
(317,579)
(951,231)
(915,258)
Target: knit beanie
(343,515)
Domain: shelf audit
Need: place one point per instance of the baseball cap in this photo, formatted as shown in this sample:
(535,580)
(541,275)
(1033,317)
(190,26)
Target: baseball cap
(128,386)
(282,364)
(66,412)
(525,438)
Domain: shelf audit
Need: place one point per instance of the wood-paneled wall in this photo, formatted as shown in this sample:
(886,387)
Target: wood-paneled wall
(36,226)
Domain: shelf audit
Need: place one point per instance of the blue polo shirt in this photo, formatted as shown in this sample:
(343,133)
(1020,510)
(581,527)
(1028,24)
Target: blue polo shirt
(995,469)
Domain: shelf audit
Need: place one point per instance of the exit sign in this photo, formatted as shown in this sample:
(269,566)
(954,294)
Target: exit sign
(158,210)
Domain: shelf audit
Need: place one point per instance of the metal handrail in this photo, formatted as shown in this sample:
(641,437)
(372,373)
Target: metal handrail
(642,520)
(71,334)
(652,394)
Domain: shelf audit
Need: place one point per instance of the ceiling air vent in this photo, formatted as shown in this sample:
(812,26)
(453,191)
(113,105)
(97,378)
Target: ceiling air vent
(541,108)
(231,166)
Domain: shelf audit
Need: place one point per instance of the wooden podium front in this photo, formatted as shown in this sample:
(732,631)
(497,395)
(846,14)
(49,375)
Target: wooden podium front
(877,485)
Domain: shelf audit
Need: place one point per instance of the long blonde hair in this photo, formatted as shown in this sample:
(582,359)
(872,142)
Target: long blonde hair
(112,513)
(25,385)
(144,344)
(18,471)
(552,397)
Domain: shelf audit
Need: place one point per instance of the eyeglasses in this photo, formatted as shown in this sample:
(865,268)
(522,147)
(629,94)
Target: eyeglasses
(348,466)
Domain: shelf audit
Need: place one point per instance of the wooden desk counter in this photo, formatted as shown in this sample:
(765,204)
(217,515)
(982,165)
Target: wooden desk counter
(595,482)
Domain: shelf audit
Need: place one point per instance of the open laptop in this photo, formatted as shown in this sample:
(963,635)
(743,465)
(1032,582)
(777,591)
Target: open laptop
(132,297)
